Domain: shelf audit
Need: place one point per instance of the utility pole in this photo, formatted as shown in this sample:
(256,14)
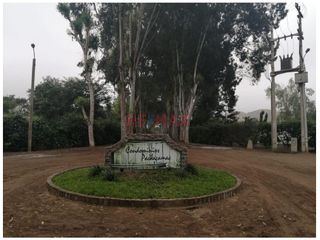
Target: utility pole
(301,77)
(31,100)
(304,126)
(273,99)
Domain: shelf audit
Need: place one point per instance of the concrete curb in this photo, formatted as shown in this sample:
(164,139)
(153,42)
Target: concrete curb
(153,203)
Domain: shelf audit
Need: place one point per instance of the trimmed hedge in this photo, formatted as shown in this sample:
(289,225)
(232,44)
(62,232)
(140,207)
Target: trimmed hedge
(15,133)
(69,131)
(218,133)
(238,133)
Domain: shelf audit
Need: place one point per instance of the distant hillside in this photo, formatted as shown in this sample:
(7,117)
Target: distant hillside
(254,114)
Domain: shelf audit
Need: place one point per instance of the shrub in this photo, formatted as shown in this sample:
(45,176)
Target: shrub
(218,133)
(106,131)
(180,173)
(95,171)
(68,131)
(263,135)
(15,133)
(312,135)
(227,134)
(108,174)
(105,172)
(189,168)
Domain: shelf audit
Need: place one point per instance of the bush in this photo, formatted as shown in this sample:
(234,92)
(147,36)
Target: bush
(180,173)
(108,174)
(312,135)
(105,172)
(15,133)
(228,134)
(106,131)
(263,135)
(68,131)
(71,131)
(95,171)
(191,169)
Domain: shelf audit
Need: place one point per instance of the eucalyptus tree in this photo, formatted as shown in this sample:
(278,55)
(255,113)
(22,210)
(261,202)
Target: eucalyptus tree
(185,59)
(208,49)
(82,30)
(126,31)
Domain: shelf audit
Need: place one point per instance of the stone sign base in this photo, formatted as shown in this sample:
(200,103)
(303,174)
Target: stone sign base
(146,151)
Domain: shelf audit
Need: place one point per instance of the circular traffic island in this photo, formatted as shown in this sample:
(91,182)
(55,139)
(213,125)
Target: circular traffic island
(144,188)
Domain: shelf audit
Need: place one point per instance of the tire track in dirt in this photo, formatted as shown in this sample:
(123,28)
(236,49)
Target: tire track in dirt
(277,199)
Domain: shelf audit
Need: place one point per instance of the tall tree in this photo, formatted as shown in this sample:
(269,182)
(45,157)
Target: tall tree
(206,46)
(126,32)
(195,56)
(81,29)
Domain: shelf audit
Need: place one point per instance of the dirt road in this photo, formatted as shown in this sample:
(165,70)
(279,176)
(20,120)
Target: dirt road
(278,198)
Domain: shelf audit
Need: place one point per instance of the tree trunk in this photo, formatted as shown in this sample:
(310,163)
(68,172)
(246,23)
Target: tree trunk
(174,128)
(91,136)
(91,115)
(187,108)
(132,103)
(121,84)
(90,120)
(90,127)
(166,125)
(186,136)
(138,110)
(122,99)
(135,52)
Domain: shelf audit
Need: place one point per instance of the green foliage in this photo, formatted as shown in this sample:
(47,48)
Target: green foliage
(104,172)
(11,104)
(264,134)
(73,129)
(58,121)
(229,28)
(50,99)
(224,134)
(265,119)
(312,135)
(81,102)
(55,97)
(288,102)
(191,169)
(108,174)
(69,131)
(106,131)
(15,133)
(263,116)
(95,171)
(238,133)
(79,16)
(162,183)
(180,173)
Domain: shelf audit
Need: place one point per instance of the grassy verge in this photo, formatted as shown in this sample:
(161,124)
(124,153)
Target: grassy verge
(165,183)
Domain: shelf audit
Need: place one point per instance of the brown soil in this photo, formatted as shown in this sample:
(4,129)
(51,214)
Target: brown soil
(278,198)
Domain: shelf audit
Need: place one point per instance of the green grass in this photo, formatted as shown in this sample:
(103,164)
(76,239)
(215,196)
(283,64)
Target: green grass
(159,184)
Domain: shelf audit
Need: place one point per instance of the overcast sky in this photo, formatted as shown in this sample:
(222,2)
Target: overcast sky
(57,55)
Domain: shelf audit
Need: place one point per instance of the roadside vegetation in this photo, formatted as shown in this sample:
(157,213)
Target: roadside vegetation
(161,184)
